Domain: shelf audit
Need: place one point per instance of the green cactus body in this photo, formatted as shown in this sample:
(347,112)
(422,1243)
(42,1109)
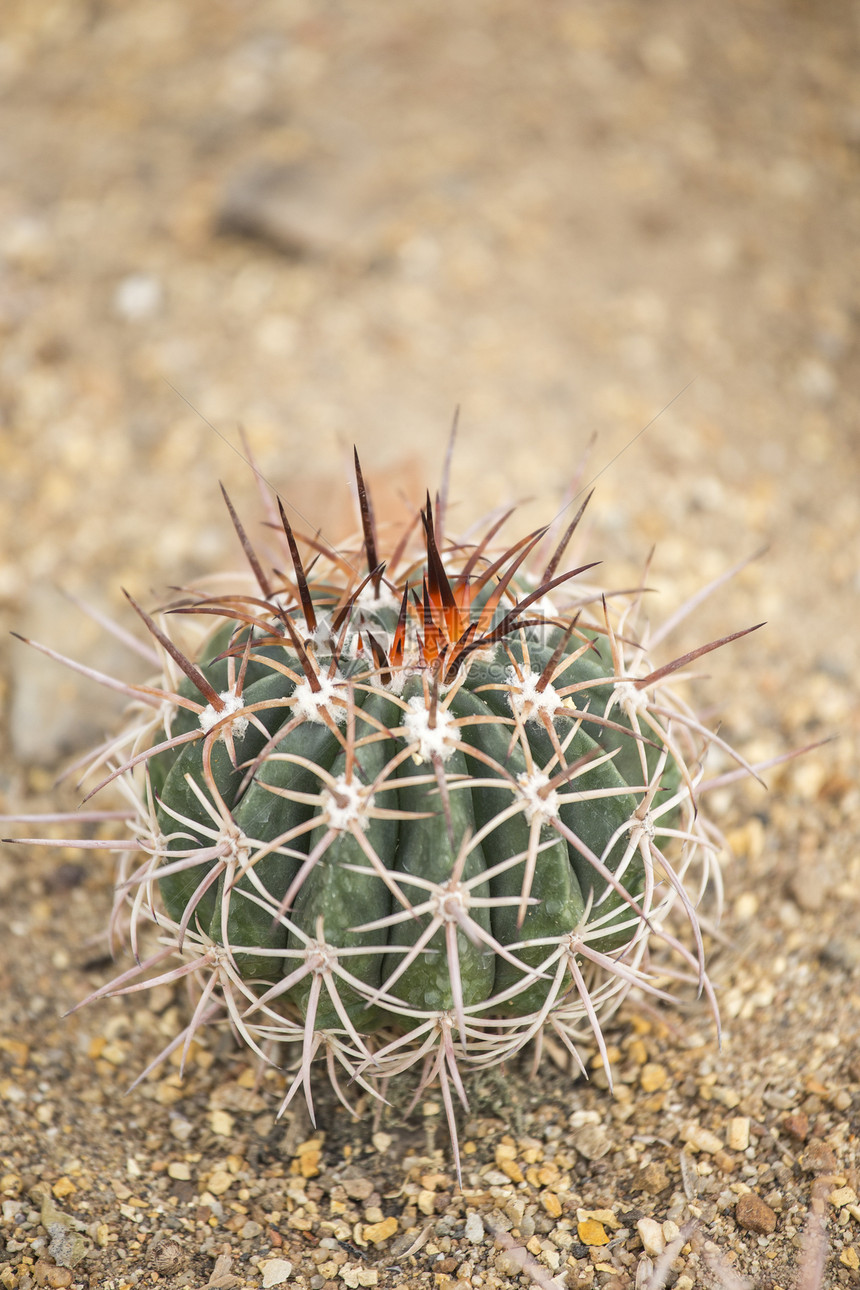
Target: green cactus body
(202,783)
(293,882)
(430,845)
(554,887)
(415,813)
(343,890)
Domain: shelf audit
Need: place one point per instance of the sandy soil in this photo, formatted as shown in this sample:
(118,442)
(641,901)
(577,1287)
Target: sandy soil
(331,225)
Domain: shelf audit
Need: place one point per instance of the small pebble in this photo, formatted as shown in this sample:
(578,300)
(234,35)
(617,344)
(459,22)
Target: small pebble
(48,1274)
(796,1125)
(474,1228)
(754,1215)
(590,1232)
(654,1178)
(426,1202)
(700,1138)
(591,1141)
(818,1158)
(275,1272)
(551,1204)
(653,1076)
(604,1216)
(651,1232)
(738,1136)
(358,1188)
(219,1182)
(376,1233)
(221,1123)
(511,1170)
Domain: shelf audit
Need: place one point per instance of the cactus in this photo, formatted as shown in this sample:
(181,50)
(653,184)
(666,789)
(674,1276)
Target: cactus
(411,813)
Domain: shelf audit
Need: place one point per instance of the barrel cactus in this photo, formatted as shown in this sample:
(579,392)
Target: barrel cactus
(409,813)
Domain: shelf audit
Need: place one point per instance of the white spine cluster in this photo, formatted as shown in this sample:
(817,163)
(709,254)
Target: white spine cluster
(438,740)
(346,803)
(539,803)
(526,700)
(233,703)
(311,704)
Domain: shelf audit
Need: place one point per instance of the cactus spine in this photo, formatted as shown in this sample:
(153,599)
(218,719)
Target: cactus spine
(410,813)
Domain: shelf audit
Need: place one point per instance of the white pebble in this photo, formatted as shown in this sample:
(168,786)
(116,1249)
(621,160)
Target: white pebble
(474,1229)
(739,1132)
(138,297)
(651,1232)
(701,1139)
(275,1271)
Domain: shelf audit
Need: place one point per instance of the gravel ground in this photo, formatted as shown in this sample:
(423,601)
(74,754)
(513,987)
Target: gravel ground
(331,225)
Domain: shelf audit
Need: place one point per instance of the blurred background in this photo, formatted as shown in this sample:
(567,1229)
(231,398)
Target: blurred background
(332,224)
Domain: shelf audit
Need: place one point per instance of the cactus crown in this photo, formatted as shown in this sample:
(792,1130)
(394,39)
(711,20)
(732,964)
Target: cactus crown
(416,815)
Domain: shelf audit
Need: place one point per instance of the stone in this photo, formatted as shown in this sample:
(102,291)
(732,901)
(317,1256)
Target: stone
(652,1236)
(753,1214)
(818,1158)
(654,1178)
(591,1141)
(701,1139)
(652,1077)
(590,1232)
(219,1182)
(276,1272)
(474,1228)
(738,1137)
(376,1233)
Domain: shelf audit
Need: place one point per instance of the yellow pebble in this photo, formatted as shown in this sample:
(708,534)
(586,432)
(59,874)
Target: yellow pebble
(63,1187)
(592,1233)
(652,1077)
(551,1204)
(426,1202)
(312,1144)
(638,1052)
(309,1164)
(219,1182)
(849,1258)
(221,1123)
(378,1232)
(513,1171)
